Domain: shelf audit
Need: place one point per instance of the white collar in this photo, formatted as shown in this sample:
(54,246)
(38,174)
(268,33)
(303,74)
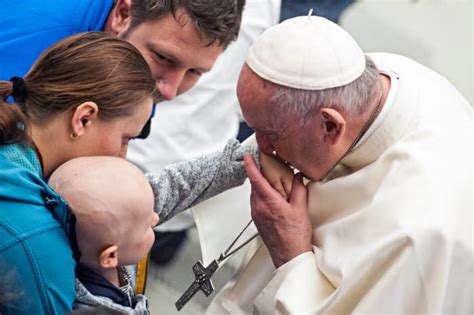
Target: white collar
(387,128)
(385,109)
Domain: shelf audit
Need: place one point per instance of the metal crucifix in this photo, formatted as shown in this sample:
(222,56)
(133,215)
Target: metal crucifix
(203,274)
(202,282)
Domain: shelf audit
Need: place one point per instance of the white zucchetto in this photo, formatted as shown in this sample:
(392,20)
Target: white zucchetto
(307,52)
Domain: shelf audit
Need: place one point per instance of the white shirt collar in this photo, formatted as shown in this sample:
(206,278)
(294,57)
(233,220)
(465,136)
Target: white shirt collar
(385,109)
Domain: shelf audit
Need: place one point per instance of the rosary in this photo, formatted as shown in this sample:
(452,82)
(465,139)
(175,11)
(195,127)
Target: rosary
(203,274)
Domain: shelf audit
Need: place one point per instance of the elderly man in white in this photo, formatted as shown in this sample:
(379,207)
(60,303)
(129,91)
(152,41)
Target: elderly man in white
(384,225)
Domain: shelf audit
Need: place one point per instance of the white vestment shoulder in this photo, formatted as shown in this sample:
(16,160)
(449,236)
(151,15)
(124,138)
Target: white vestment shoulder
(392,227)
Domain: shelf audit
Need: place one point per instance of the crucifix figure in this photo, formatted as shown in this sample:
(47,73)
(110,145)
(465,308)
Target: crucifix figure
(203,275)
(202,282)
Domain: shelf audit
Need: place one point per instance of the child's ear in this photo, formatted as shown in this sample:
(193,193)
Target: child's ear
(108,258)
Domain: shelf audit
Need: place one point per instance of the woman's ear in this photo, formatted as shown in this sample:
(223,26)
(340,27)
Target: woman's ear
(333,125)
(83,117)
(108,258)
(120,17)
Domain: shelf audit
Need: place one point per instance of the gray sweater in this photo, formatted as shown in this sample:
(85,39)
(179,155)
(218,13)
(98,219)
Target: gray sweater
(177,188)
(95,304)
(185,184)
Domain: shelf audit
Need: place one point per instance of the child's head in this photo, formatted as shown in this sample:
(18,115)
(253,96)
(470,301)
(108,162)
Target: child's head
(113,204)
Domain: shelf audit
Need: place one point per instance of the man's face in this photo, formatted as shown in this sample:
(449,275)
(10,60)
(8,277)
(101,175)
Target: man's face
(175,51)
(299,147)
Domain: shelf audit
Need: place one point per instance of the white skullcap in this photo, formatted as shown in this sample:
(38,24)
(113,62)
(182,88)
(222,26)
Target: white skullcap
(307,52)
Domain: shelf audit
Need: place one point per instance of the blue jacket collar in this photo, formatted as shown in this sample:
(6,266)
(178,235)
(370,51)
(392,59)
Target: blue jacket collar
(22,181)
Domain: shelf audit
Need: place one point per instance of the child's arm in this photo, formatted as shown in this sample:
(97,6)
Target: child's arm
(184,184)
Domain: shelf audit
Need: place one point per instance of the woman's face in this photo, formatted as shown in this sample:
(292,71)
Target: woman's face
(110,138)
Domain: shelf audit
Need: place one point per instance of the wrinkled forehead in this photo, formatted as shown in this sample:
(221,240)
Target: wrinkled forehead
(253,92)
(258,103)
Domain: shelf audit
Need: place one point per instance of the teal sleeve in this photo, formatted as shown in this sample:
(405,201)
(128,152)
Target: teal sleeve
(36,271)
(36,262)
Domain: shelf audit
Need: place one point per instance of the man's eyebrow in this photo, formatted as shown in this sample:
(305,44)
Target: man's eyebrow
(279,131)
(265,131)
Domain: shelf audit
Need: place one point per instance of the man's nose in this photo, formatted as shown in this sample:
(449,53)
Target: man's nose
(264,144)
(123,152)
(169,84)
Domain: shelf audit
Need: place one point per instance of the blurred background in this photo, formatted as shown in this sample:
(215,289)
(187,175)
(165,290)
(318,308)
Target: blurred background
(436,33)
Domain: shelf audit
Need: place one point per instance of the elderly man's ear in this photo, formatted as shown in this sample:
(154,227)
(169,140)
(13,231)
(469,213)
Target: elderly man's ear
(333,126)
(108,258)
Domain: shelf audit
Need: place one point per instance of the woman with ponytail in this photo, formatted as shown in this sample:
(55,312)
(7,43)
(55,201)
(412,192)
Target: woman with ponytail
(89,94)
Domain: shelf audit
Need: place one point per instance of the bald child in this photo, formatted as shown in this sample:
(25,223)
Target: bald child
(116,208)
(113,205)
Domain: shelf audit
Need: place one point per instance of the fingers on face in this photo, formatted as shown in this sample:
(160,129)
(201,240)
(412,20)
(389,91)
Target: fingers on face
(255,176)
(251,167)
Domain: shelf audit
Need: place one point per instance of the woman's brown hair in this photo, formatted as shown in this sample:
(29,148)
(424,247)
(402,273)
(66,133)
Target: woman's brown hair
(84,67)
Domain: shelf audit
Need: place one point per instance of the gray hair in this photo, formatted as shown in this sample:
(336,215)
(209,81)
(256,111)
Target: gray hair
(352,98)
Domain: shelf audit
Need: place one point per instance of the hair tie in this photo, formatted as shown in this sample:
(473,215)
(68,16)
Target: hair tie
(19,92)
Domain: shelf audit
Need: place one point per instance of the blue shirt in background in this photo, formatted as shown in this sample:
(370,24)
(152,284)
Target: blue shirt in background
(28,27)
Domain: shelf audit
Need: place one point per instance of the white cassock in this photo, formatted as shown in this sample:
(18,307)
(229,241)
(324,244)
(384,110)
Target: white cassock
(392,227)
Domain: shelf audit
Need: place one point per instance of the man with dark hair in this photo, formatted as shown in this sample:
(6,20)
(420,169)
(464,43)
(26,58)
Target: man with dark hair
(219,21)
(179,39)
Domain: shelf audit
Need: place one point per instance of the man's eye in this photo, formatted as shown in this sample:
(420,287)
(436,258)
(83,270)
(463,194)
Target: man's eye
(163,58)
(195,72)
(272,136)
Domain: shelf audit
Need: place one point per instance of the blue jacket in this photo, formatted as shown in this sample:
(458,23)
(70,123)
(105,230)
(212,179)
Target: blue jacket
(27,27)
(36,262)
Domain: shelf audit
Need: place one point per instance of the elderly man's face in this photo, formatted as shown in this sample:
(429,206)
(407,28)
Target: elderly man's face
(302,148)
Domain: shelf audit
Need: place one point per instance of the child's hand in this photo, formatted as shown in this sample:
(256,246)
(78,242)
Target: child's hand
(277,173)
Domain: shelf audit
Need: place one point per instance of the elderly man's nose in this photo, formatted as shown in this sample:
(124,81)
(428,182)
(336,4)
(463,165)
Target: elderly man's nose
(264,144)
(169,84)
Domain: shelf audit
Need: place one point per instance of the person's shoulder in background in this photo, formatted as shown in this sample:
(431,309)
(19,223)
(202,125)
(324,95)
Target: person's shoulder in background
(28,27)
